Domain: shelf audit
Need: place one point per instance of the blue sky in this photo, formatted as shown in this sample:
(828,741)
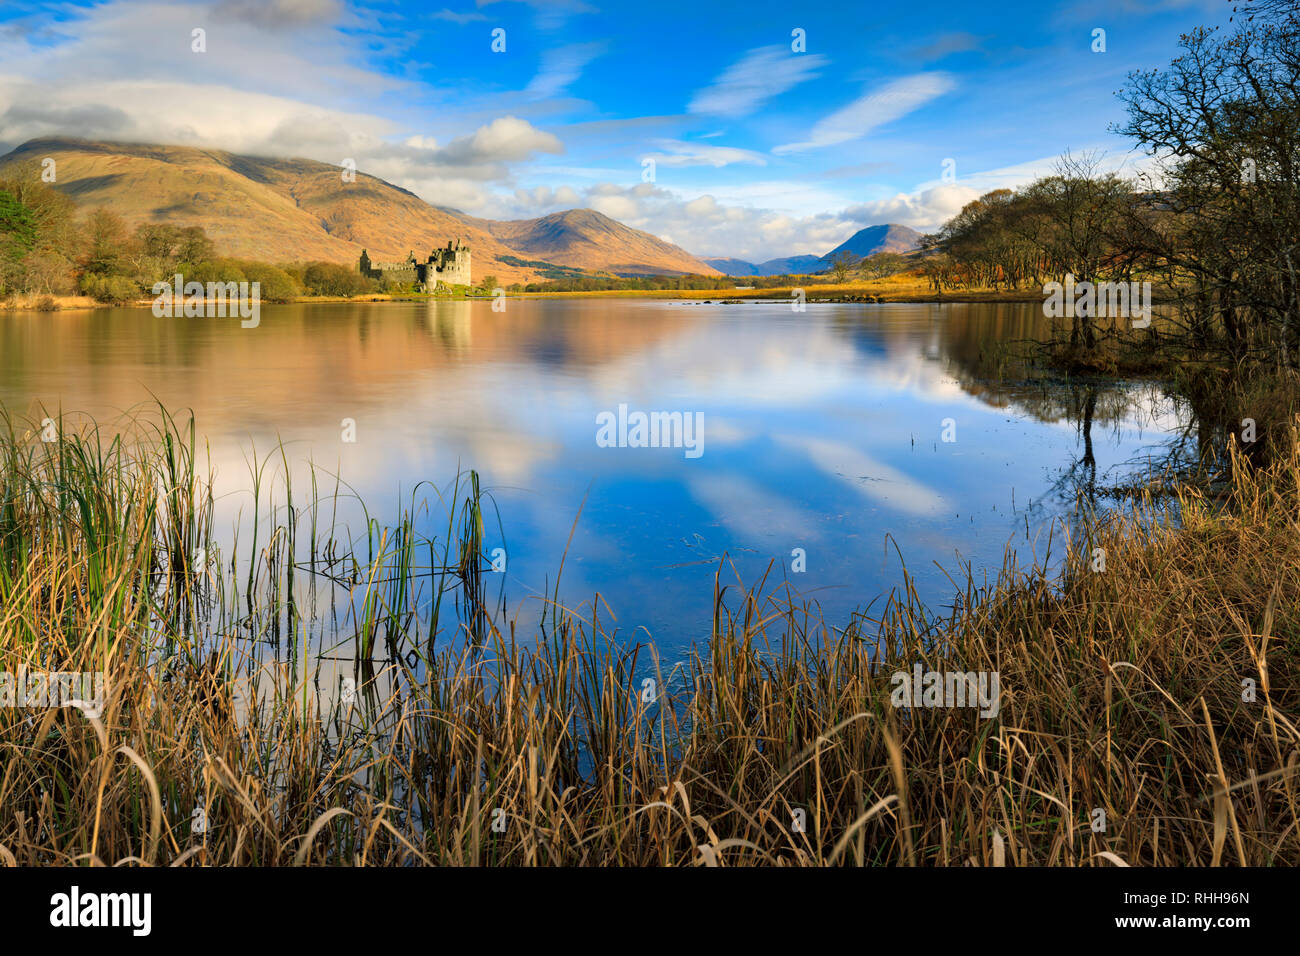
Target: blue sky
(758,150)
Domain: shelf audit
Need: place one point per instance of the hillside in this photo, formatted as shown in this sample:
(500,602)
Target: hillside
(298,209)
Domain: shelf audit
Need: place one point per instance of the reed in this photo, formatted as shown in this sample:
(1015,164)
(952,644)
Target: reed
(474,738)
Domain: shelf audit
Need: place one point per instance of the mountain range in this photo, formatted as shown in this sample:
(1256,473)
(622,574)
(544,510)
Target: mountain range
(864,242)
(790,265)
(282,210)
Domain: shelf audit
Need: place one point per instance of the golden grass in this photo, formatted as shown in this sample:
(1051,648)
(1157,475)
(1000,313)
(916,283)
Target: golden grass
(1121,691)
(902,287)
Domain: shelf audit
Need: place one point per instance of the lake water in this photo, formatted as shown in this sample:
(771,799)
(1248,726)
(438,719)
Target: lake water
(822,431)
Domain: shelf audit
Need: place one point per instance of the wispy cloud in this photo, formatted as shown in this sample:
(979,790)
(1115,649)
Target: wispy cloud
(551,14)
(948,44)
(892,101)
(562,66)
(678,153)
(454,17)
(754,79)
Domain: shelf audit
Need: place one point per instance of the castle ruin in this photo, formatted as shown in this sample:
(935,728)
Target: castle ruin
(449,266)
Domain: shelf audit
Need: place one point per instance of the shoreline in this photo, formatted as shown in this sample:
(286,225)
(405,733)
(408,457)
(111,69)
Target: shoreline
(833,295)
(893,290)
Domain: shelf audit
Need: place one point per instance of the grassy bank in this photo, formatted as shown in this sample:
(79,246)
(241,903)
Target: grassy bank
(900,288)
(903,287)
(473,739)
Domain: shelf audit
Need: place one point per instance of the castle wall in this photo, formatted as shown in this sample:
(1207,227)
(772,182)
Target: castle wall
(395,272)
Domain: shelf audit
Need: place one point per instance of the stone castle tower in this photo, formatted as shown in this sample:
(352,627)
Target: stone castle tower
(449,266)
(452,263)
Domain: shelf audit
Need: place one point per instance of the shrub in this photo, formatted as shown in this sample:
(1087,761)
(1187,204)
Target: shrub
(217,270)
(110,290)
(329,278)
(276,285)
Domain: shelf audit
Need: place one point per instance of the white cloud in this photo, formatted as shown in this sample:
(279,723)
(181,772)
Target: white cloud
(622,208)
(544,197)
(892,101)
(704,206)
(753,80)
(505,139)
(925,209)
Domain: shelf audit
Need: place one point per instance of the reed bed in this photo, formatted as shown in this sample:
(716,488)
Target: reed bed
(476,738)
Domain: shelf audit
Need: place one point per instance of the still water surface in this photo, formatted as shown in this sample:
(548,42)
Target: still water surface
(822,431)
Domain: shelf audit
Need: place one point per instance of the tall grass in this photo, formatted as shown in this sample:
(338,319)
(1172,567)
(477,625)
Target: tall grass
(475,739)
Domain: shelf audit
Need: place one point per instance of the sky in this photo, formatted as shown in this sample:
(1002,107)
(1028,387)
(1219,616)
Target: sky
(755,130)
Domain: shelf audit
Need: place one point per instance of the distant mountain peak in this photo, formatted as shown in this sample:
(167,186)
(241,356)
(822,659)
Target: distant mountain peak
(889,237)
(581,238)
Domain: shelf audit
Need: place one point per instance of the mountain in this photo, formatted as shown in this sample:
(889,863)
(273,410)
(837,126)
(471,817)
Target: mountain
(297,209)
(887,238)
(791,265)
(734,267)
(586,239)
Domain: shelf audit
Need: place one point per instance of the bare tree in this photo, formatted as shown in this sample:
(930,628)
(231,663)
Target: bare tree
(1221,120)
(842,263)
(881,264)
